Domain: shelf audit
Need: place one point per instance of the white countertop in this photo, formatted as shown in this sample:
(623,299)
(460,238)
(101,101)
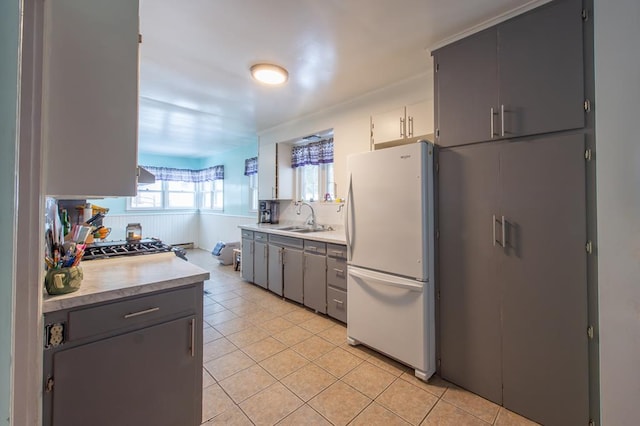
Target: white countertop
(115,278)
(334,237)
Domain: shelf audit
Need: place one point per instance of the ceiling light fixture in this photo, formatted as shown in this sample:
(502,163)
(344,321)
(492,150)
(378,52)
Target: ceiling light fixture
(269,74)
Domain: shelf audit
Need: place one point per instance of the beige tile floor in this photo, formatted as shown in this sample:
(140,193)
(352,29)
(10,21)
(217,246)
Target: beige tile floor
(269,361)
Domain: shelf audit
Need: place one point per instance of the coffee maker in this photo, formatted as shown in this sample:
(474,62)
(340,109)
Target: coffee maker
(268,211)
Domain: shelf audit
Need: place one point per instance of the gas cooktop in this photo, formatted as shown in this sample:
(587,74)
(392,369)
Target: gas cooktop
(107,249)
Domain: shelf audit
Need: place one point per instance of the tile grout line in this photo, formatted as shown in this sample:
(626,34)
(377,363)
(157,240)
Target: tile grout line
(246,294)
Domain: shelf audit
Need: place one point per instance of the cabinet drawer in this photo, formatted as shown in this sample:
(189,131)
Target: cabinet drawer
(315,247)
(337,272)
(337,304)
(284,241)
(130,312)
(337,250)
(247,234)
(260,236)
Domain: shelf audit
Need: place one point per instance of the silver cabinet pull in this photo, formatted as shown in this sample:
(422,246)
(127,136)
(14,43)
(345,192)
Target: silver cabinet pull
(338,301)
(401,127)
(264,251)
(192,324)
(492,118)
(494,230)
(146,311)
(502,243)
(337,252)
(502,120)
(410,127)
(340,271)
(504,233)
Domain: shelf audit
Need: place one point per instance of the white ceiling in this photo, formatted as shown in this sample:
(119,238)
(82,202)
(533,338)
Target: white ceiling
(197,98)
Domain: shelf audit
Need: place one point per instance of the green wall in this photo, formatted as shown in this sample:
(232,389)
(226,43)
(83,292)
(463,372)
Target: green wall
(236,184)
(9,32)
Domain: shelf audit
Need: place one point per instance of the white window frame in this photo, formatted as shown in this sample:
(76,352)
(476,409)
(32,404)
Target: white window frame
(253,193)
(143,188)
(168,192)
(324,182)
(212,194)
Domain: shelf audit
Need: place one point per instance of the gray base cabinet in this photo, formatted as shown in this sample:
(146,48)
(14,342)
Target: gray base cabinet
(246,263)
(522,77)
(309,272)
(512,274)
(286,266)
(275,268)
(337,281)
(142,369)
(315,276)
(292,274)
(260,262)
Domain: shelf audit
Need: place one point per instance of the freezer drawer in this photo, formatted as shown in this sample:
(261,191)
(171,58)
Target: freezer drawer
(393,315)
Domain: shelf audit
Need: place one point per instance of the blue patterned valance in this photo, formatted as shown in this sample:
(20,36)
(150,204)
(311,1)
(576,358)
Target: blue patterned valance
(186,175)
(312,153)
(251,166)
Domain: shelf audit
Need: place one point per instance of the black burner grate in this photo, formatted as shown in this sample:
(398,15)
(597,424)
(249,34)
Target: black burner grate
(102,250)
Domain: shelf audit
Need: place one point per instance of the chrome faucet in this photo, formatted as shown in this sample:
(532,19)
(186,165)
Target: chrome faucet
(311,222)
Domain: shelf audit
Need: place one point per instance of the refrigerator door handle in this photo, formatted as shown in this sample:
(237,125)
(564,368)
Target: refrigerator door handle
(347,211)
(358,273)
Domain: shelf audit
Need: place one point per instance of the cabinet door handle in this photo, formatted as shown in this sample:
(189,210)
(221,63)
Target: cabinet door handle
(410,127)
(264,251)
(192,325)
(493,240)
(401,127)
(340,271)
(338,301)
(502,120)
(338,253)
(146,311)
(492,117)
(502,224)
(504,233)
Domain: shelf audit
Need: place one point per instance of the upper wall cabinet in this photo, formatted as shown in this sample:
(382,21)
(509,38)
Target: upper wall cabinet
(275,175)
(523,77)
(90,97)
(402,123)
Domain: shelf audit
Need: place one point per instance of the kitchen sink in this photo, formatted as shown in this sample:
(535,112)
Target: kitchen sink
(303,230)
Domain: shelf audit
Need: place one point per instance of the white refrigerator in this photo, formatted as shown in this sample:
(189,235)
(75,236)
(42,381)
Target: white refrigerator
(389,227)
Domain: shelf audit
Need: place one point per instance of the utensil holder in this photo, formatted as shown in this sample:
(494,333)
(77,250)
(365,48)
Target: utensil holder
(63,280)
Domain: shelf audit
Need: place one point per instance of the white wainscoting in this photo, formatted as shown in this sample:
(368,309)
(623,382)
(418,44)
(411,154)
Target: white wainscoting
(174,228)
(218,227)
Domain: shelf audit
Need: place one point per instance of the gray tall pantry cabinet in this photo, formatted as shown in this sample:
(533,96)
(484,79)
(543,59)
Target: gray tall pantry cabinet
(512,214)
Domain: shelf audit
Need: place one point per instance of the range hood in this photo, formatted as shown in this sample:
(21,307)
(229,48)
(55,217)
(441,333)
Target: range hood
(145,176)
